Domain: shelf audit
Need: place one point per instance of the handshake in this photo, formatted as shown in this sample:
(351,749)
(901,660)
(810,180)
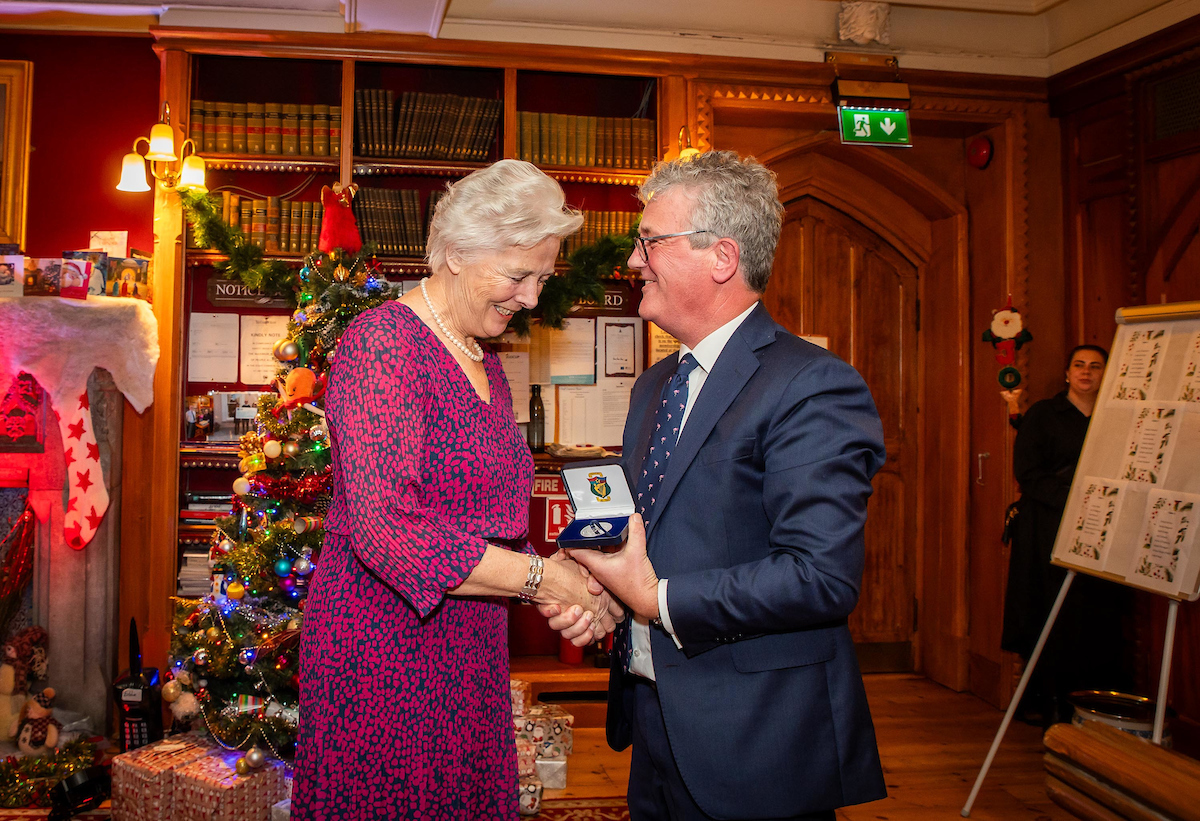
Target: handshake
(585,593)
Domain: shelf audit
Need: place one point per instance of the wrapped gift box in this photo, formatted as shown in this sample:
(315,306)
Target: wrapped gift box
(543,722)
(526,756)
(529,795)
(557,746)
(552,774)
(282,811)
(520,691)
(209,789)
(143,780)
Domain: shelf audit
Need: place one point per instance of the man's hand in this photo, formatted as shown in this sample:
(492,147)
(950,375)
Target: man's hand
(628,573)
(576,624)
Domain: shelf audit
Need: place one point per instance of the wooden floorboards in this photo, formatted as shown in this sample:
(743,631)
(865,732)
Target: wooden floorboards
(932,742)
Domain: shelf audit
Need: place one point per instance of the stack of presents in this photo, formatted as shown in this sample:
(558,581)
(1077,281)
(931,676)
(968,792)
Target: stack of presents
(188,778)
(544,740)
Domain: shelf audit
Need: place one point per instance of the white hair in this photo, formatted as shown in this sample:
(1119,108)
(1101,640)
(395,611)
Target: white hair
(508,204)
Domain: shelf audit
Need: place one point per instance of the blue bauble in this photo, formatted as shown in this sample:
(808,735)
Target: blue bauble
(305,273)
(283,567)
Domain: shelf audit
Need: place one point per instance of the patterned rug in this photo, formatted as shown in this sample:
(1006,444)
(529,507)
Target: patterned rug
(584,809)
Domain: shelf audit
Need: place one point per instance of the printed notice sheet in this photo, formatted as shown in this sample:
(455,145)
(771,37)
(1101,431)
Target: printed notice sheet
(259,335)
(516,370)
(1151,443)
(1189,382)
(213,348)
(1096,520)
(1167,535)
(1141,361)
(573,353)
(661,344)
(620,348)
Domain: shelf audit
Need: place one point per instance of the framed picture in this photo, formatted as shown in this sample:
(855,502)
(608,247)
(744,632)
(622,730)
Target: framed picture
(16,100)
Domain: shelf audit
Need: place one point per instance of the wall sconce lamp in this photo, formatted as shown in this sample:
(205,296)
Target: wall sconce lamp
(686,152)
(160,154)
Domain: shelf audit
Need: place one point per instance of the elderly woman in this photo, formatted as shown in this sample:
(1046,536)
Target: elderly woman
(405,709)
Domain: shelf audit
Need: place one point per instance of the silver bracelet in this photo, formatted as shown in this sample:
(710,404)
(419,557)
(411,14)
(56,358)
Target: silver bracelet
(536,566)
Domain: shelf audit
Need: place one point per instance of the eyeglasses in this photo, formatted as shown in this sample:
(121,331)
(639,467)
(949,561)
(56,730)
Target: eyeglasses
(643,244)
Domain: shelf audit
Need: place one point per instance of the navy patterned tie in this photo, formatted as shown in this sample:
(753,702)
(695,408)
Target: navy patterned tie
(664,436)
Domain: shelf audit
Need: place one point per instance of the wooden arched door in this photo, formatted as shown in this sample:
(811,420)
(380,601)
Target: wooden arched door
(834,277)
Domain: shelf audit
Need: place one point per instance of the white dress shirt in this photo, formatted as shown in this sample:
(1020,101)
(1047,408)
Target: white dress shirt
(706,352)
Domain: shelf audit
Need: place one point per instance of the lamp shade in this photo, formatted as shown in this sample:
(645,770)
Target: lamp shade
(162,144)
(133,173)
(191,177)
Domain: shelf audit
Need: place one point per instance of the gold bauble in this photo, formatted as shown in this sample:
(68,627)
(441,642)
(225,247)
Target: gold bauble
(171,691)
(242,766)
(340,273)
(235,590)
(212,633)
(291,450)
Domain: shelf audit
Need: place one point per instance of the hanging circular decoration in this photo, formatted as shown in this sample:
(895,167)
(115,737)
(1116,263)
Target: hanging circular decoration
(1009,378)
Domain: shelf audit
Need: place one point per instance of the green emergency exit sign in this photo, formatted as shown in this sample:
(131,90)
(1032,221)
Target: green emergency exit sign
(872,126)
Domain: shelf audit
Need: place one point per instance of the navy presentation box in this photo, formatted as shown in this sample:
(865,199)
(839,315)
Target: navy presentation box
(603,504)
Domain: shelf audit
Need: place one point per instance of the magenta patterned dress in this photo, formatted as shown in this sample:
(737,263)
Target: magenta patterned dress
(404,701)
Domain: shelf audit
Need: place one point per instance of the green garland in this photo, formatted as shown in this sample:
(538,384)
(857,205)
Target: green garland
(272,277)
(28,780)
(583,280)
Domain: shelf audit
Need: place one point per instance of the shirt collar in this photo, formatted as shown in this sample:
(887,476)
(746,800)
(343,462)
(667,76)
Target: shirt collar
(708,349)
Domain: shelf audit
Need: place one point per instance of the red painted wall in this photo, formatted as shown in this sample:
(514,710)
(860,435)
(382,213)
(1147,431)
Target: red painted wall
(92,97)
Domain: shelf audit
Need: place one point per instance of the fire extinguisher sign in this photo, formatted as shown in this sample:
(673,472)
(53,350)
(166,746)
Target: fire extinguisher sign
(559,514)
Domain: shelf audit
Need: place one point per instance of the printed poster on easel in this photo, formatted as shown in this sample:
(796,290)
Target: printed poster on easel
(1132,508)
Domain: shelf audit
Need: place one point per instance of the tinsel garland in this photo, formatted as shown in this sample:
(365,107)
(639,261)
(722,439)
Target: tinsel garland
(28,781)
(17,568)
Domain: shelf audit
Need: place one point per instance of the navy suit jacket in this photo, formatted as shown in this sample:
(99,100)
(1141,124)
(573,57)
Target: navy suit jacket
(759,529)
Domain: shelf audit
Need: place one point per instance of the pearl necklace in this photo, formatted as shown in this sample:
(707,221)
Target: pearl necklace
(474,356)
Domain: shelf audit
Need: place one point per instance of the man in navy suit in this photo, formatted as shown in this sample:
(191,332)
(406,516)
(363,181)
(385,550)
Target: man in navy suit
(751,455)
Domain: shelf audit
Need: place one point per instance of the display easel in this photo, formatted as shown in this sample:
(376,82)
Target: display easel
(1130,516)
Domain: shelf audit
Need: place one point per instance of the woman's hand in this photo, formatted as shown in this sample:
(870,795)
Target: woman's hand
(576,605)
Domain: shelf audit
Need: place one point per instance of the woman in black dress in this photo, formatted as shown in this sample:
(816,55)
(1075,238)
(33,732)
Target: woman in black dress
(1085,648)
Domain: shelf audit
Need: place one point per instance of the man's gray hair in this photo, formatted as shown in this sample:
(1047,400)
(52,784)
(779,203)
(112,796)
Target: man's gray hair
(507,204)
(732,197)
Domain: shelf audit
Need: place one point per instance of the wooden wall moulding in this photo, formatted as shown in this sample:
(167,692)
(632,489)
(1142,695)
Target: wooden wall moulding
(1145,242)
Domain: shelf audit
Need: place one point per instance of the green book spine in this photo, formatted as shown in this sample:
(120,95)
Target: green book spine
(254,128)
(306,218)
(210,126)
(239,128)
(289,132)
(272,128)
(335,131)
(285,226)
(258,224)
(224,128)
(306,131)
(572,128)
(320,131)
(196,124)
(247,209)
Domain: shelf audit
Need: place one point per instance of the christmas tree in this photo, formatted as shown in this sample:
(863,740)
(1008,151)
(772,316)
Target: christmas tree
(234,665)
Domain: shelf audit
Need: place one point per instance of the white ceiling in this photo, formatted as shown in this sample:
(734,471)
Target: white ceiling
(1024,37)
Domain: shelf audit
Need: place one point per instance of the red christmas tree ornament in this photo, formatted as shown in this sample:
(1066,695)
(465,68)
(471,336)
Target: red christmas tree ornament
(338,226)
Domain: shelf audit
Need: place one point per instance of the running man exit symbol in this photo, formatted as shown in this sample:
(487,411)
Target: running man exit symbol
(862,125)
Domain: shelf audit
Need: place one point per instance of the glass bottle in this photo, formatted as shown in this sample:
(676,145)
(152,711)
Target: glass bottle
(537,420)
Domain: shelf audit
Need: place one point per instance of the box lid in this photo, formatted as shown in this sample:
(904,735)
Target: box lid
(598,489)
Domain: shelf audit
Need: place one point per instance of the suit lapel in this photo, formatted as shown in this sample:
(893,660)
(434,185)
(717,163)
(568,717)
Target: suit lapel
(733,369)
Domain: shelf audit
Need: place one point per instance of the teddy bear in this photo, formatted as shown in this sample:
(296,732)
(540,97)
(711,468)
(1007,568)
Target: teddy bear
(35,728)
(22,660)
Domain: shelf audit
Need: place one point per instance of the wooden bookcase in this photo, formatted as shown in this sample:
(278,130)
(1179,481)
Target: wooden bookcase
(252,67)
